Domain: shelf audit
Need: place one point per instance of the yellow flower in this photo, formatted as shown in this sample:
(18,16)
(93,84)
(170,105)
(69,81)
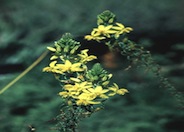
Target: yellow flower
(98,91)
(85,57)
(116,90)
(94,36)
(78,87)
(104,30)
(86,99)
(64,94)
(69,67)
(52,68)
(120,29)
(75,90)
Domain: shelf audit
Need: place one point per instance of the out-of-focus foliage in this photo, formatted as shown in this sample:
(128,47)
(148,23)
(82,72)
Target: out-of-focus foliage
(28,26)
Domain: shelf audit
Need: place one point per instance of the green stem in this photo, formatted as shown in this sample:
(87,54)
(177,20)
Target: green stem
(24,72)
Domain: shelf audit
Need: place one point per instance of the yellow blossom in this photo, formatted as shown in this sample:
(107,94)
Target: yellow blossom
(86,99)
(116,90)
(85,57)
(98,91)
(78,87)
(52,68)
(69,67)
(120,29)
(94,36)
(104,30)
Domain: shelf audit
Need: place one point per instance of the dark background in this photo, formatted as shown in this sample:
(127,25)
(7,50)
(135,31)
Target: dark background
(28,26)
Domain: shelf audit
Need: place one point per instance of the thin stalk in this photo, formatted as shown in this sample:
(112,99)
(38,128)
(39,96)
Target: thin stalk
(42,56)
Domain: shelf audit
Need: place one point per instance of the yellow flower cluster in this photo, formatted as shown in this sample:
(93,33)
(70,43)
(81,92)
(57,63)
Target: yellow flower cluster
(80,86)
(103,32)
(62,68)
(86,93)
(68,66)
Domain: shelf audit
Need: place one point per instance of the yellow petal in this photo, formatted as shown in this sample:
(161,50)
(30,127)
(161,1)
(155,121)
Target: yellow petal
(68,63)
(117,28)
(122,91)
(53,57)
(84,51)
(53,63)
(51,49)
(120,25)
(111,94)
(75,79)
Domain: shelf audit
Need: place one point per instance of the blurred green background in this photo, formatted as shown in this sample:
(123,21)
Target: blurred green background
(28,26)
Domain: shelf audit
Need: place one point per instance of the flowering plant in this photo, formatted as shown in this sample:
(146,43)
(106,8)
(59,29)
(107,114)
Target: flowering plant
(83,90)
